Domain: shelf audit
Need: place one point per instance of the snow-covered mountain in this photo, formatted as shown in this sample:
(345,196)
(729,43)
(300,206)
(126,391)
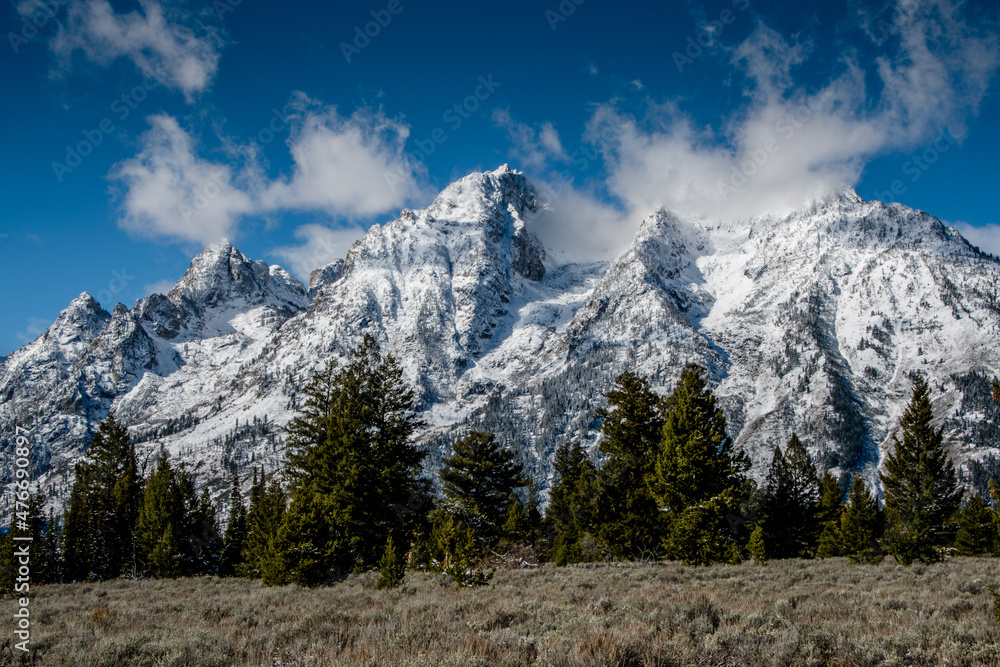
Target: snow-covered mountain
(812,321)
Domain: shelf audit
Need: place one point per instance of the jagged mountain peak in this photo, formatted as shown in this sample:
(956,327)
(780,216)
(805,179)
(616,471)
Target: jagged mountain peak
(810,320)
(83,318)
(483,194)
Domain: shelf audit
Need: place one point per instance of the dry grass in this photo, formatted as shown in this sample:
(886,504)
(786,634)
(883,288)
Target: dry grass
(788,613)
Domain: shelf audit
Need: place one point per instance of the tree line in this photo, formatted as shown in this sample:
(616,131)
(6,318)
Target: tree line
(671,485)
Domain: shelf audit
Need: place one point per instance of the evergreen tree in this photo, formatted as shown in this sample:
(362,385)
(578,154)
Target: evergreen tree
(52,568)
(921,490)
(517,525)
(831,503)
(264,519)
(44,564)
(158,547)
(45,559)
(234,541)
(977,529)
(790,503)
(572,512)
(482,476)
(82,547)
(630,520)
(205,541)
(699,477)
(8,564)
(352,468)
(756,546)
(860,525)
(103,507)
(392,567)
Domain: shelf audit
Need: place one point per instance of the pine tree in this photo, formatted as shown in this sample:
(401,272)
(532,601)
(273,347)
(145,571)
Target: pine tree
(352,469)
(790,503)
(158,547)
(392,568)
(205,542)
(571,516)
(166,559)
(8,564)
(103,507)
(482,476)
(977,529)
(831,503)
(45,560)
(234,542)
(52,566)
(860,525)
(921,490)
(630,520)
(699,477)
(756,546)
(82,547)
(264,520)
(516,526)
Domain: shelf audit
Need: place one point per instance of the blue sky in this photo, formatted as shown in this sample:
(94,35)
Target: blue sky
(135,133)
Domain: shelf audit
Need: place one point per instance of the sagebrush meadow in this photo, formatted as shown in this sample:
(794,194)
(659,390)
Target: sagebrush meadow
(787,613)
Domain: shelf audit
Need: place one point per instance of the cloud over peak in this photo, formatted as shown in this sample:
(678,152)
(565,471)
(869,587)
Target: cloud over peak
(348,168)
(162,41)
(791,142)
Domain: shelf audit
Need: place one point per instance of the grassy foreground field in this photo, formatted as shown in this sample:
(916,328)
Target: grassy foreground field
(787,613)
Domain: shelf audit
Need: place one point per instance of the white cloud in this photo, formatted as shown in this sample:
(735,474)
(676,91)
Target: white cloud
(35,328)
(162,41)
(345,167)
(533,148)
(170,192)
(351,167)
(788,144)
(320,246)
(159,287)
(575,226)
(985,237)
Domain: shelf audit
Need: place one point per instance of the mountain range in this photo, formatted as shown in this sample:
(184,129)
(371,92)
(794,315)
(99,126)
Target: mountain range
(812,321)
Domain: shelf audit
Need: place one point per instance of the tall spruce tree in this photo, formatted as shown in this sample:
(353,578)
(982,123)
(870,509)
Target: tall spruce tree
(234,541)
(159,527)
(572,512)
(205,541)
(45,563)
(103,507)
(352,469)
(482,475)
(630,520)
(977,529)
(264,518)
(699,477)
(831,504)
(922,494)
(791,498)
(860,525)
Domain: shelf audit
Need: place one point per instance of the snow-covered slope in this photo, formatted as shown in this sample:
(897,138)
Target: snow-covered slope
(812,322)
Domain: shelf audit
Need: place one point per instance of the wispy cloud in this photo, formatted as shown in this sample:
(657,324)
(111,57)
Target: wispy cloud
(36,327)
(341,163)
(171,192)
(164,41)
(159,287)
(530,147)
(791,142)
(339,168)
(320,246)
(985,237)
